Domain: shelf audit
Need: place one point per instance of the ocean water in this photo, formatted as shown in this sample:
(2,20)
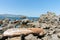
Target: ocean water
(18,18)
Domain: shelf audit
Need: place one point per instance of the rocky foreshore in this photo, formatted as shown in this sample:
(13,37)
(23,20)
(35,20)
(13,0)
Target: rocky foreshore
(47,27)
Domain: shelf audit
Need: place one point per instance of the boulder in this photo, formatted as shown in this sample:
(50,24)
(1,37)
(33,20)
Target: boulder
(30,37)
(25,31)
(54,37)
(25,21)
(58,34)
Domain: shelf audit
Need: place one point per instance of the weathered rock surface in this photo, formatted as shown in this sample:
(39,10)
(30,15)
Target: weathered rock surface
(14,38)
(1,36)
(30,37)
(25,31)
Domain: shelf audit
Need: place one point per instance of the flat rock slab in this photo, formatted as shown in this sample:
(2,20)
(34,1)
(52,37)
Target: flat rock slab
(25,31)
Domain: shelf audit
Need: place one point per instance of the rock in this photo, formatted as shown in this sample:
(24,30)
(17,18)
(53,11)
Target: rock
(45,38)
(25,31)
(10,26)
(57,30)
(34,24)
(14,38)
(25,21)
(30,37)
(4,24)
(58,34)
(6,20)
(54,37)
(16,31)
(1,36)
(44,25)
(1,30)
(39,39)
(38,31)
(58,26)
(46,17)
(51,32)
(1,22)
(15,22)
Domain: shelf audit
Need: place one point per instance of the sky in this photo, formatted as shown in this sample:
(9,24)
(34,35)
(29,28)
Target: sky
(32,8)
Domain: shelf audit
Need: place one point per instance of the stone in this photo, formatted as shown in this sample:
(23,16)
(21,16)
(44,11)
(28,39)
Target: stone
(25,31)
(30,37)
(25,21)
(44,25)
(39,39)
(6,20)
(36,24)
(1,36)
(14,38)
(54,37)
(58,34)
(57,30)
(51,32)
(1,22)
(10,26)
(45,38)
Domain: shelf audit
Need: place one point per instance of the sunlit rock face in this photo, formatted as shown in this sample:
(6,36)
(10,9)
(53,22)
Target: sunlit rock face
(16,31)
(25,31)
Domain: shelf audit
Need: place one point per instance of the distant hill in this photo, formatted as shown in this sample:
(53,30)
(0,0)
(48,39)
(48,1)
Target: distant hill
(10,15)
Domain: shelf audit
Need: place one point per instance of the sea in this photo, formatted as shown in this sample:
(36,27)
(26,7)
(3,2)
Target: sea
(18,18)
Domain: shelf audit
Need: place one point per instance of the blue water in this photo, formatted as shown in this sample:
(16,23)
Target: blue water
(18,18)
